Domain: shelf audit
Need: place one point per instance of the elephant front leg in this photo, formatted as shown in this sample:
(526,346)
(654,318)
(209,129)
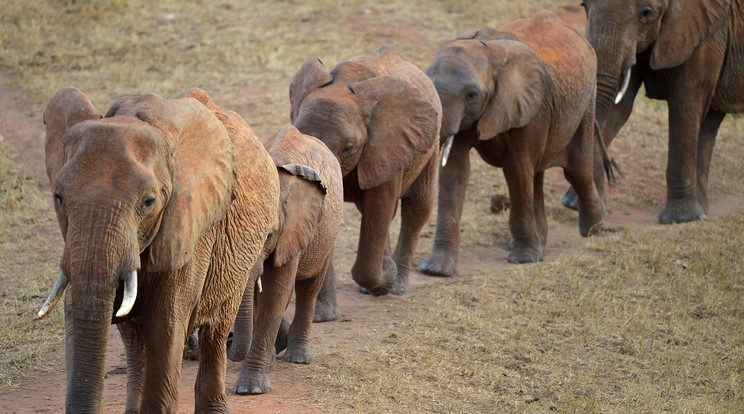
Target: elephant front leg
(164,339)
(131,336)
(689,97)
(373,269)
(210,379)
(526,245)
(453,182)
(415,210)
(326,305)
(272,301)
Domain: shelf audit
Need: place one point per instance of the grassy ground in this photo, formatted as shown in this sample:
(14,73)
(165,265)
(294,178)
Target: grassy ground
(640,320)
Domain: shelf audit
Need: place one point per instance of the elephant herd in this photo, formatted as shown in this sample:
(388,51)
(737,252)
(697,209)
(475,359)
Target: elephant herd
(175,216)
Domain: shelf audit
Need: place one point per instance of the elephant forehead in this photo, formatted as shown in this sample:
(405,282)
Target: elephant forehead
(321,116)
(111,149)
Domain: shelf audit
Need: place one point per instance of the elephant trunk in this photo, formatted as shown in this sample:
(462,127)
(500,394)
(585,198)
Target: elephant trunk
(94,261)
(614,59)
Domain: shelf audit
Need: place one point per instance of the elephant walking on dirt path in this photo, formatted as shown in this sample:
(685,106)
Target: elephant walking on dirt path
(164,207)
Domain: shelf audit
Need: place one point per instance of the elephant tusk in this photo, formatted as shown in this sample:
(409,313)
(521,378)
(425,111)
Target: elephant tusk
(446,151)
(624,87)
(130,295)
(57,291)
(260,286)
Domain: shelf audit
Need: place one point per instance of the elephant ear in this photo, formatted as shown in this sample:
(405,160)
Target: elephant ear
(519,84)
(202,168)
(685,25)
(301,200)
(311,76)
(69,106)
(402,126)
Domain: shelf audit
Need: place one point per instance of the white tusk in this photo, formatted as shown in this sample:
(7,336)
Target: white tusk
(624,87)
(446,151)
(260,286)
(130,295)
(57,291)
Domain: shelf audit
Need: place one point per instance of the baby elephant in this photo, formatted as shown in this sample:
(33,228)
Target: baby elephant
(298,252)
(380,116)
(523,96)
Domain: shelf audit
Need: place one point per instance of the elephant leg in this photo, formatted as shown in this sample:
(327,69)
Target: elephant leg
(272,301)
(131,336)
(164,338)
(526,244)
(415,209)
(616,118)
(374,269)
(706,141)
(689,98)
(541,219)
(326,305)
(453,182)
(579,171)
(299,350)
(209,390)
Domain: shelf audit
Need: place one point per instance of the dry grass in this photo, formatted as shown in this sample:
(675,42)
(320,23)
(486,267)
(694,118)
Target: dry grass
(615,324)
(27,258)
(642,321)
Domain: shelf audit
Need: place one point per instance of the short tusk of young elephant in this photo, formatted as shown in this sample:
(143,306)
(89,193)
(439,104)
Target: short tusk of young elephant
(130,295)
(624,87)
(57,291)
(446,151)
(260,286)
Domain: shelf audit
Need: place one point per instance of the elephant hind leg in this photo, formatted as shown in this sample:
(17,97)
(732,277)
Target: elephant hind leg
(706,141)
(326,305)
(299,350)
(579,171)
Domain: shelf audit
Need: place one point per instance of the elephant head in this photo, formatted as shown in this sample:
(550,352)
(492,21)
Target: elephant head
(487,80)
(133,191)
(669,30)
(375,124)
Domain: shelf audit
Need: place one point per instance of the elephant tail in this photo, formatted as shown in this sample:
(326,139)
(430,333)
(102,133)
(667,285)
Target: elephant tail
(609,164)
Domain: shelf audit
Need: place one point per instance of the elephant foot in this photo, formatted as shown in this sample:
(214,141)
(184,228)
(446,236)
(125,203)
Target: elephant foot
(681,211)
(387,279)
(325,311)
(299,354)
(440,262)
(400,287)
(216,405)
(571,200)
(526,255)
(252,384)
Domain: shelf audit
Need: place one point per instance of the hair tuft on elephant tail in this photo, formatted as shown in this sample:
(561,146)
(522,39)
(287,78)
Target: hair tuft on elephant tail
(608,163)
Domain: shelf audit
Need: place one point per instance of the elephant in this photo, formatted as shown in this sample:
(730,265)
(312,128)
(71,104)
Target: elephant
(380,115)
(298,252)
(164,207)
(523,97)
(687,52)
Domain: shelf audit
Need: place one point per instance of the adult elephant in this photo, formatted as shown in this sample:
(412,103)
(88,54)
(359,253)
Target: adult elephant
(523,97)
(164,207)
(687,52)
(380,116)
(297,254)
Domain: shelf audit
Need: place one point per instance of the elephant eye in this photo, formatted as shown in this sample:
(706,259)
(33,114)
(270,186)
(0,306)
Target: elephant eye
(645,13)
(58,198)
(472,94)
(148,202)
(347,149)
